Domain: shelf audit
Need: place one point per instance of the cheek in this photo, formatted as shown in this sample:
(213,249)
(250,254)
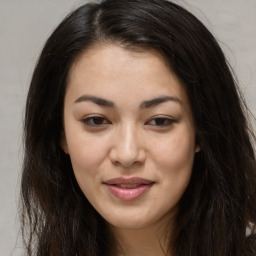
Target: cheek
(84,148)
(87,156)
(178,152)
(175,165)
(174,170)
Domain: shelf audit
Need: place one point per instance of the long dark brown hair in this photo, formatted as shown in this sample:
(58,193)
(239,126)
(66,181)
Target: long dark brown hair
(220,202)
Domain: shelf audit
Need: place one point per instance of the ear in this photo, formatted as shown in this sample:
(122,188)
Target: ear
(197,148)
(63,142)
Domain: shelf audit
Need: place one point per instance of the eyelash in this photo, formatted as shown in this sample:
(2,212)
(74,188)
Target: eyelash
(88,121)
(167,121)
(91,121)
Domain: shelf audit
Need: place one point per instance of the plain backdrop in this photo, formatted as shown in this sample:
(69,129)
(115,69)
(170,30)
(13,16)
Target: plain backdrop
(24,27)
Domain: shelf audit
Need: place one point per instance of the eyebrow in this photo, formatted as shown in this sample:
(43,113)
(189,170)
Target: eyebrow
(99,101)
(159,100)
(145,104)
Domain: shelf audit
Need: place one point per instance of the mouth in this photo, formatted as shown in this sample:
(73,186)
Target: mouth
(127,185)
(128,188)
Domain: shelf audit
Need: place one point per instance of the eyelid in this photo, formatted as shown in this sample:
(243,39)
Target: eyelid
(90,121)
(169,119)
(86,121)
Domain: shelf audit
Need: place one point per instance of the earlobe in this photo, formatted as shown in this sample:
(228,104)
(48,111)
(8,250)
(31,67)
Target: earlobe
(197,145)
(197,149)
(63,142)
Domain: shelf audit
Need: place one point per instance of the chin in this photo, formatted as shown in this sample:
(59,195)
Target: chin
(129,225)
(132,221)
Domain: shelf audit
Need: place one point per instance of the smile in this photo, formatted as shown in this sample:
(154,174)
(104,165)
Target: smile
(127,185)
(128,189)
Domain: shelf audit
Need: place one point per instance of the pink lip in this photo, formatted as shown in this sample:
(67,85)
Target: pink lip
(128,194)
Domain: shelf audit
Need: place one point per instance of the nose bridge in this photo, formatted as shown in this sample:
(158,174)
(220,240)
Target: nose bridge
(127,148)
(127,142)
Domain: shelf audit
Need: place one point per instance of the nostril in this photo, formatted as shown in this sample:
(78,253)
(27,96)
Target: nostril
(127,151)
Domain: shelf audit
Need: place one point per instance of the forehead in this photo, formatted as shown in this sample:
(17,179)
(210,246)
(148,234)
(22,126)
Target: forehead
(112,70)
(113,56)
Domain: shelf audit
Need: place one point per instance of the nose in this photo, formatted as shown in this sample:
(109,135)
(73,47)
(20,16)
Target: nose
(127,149)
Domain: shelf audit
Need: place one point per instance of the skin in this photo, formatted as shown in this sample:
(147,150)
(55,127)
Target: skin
(131,139)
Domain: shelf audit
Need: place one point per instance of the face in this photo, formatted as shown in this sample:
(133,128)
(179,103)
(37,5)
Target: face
(129,131)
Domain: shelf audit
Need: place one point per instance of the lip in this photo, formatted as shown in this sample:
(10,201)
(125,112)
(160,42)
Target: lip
(128,193)
(132,180)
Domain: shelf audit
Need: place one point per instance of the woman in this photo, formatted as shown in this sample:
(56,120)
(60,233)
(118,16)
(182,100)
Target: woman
(136,139)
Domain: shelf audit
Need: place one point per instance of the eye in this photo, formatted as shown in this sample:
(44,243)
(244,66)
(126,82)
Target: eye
(160,121)
(95,121)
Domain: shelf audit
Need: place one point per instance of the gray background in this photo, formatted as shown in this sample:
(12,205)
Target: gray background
(24,27)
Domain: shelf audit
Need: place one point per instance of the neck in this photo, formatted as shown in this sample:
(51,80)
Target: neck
(146,241)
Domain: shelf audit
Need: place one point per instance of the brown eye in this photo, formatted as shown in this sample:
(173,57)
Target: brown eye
(160,121)
(95,121)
